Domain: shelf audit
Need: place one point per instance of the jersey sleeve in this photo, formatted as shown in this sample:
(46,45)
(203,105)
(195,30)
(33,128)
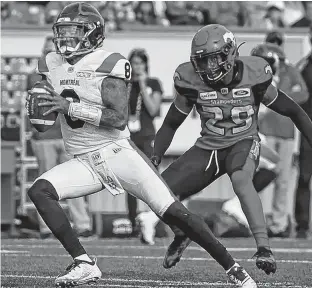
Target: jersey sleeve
(183,104)
(115,65)
(183,92)
(181,83)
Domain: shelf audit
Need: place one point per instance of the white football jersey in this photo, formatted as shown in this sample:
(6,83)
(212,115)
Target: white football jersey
(82,82)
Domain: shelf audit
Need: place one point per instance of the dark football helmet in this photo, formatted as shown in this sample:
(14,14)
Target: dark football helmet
(78,30)
(213,52)
(270,52)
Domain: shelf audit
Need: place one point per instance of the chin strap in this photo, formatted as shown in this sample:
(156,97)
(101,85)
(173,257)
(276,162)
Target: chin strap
(239,47)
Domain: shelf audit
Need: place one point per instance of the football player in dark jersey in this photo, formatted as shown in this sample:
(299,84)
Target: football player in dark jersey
(226,90)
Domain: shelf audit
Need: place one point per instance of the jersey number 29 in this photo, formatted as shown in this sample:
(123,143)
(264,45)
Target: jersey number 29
(242,124)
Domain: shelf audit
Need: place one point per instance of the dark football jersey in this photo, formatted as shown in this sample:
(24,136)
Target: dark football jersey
(228,114)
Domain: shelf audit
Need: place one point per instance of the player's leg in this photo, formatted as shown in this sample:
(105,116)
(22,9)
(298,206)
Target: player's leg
(231,214)
(77,206)
(144,182)
(68,180)
(241,163)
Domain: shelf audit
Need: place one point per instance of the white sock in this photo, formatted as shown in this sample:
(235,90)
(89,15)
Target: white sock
(84,257)
(235,265)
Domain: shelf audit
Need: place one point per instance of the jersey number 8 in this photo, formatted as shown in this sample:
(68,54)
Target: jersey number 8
(72,96)
(235,115)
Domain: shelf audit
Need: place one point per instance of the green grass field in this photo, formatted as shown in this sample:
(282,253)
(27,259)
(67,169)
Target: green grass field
(128,263)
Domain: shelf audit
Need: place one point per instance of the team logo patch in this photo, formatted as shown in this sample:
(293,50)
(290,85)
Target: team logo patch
(208,95)
(84,74)
(268,69)
(70,69)
(224,91)
(255,150)
(96,158)
(242,92)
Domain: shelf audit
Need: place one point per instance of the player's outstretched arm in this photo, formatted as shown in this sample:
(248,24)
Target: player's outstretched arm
(284,105)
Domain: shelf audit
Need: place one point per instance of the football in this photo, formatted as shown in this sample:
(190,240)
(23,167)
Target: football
(35,112)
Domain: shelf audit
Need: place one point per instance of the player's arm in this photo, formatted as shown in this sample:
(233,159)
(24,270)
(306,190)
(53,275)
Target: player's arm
(115,100)
(279,102)
(176,115)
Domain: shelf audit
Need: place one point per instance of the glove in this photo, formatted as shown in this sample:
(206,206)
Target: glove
(155,160)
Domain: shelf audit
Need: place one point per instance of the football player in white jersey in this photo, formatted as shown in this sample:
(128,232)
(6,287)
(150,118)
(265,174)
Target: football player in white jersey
(90,95)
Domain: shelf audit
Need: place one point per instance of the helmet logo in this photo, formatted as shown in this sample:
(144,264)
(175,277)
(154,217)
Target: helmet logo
(268,69)
(229,37)
(63,19)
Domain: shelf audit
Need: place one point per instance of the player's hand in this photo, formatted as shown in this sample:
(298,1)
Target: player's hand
(155,160)
(56,101)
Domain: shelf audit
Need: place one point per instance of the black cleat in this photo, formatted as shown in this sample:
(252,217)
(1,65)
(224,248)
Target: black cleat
(265,260)
(175,251)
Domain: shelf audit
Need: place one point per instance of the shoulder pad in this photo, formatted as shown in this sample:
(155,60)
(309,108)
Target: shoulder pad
(259,70)
(183,78)
(47,62)
(116,65)
(183,72)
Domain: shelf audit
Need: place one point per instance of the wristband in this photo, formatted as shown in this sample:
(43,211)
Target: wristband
(85,112)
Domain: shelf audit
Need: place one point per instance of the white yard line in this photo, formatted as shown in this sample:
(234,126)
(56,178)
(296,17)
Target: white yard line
(148,257)
(146,247)
(160,282)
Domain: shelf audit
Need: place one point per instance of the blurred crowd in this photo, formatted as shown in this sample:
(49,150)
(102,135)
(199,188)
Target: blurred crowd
(120,14)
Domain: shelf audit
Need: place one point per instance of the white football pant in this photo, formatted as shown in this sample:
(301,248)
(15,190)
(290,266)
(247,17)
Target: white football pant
(117,166)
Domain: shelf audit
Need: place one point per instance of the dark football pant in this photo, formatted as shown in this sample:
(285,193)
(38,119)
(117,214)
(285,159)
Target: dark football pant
(303,193)
(144,143)
(197,168)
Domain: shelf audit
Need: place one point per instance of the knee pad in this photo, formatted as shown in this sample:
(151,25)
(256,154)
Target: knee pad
(42,188)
